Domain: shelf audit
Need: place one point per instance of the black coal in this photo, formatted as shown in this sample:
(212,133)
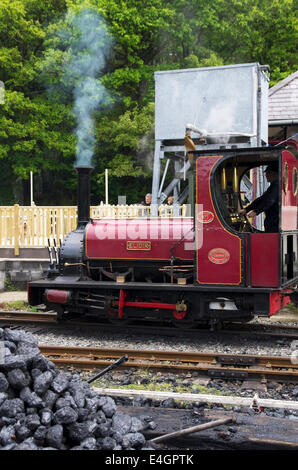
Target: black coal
(42,408)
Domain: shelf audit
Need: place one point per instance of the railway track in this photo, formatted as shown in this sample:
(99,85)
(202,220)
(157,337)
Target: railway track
(17,316)
(223,366)
(49,319)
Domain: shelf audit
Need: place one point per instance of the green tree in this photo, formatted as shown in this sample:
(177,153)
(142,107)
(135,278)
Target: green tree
(262,31)
(35,133)
(37,121)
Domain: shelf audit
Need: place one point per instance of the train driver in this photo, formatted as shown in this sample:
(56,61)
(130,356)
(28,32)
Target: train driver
(268,202)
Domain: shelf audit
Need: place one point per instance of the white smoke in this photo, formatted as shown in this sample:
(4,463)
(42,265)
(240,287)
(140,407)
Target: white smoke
(87,53)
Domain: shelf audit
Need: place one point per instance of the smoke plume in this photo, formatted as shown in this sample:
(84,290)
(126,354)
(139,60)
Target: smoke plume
(86,59)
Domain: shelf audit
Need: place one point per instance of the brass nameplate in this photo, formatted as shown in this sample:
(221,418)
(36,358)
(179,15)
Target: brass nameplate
(138,246)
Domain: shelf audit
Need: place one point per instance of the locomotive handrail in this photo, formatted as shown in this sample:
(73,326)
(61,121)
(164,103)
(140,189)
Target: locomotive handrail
(32,226)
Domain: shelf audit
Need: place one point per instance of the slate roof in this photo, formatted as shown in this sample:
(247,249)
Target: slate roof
(283,99)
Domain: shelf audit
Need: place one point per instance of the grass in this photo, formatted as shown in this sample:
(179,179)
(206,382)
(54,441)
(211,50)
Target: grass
(17,305)
(154,386)
(292,308)
(9,286)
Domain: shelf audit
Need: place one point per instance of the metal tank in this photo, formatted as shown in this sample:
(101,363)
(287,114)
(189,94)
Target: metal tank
(228,100)
(226,106)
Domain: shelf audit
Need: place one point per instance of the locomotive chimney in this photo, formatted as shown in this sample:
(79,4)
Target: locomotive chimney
(83,195)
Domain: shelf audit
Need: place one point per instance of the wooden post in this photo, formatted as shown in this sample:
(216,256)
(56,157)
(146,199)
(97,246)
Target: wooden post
(16,230)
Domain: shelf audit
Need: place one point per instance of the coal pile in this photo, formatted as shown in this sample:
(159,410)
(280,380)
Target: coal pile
(44,409)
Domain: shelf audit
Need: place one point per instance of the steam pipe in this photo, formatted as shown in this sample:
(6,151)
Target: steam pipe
(235,180)
(205,133)
(191,127)
(83,195)
(223,179)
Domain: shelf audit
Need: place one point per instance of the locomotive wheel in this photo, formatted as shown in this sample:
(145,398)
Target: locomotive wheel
(183,319)
(112,313)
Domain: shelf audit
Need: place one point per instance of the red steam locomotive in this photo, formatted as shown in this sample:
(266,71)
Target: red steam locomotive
(212,267)
(216,264)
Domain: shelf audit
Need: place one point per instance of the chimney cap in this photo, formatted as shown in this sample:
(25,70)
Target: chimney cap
(84,166)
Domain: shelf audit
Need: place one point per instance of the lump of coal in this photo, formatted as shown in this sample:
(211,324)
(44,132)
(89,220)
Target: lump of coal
(3,383)
(66,415)
(18,379)
(60,383)
(54,436)
(42,382)
(43,409)
(10,408)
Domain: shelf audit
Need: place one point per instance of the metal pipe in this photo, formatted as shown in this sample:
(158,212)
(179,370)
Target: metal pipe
(50,252)
(158,154)
(283,122)
(235,180)
(200,427)
(191,127)
(223,179)
(163,177)
(173,183)
(110,367)
(83,195)
(56,251)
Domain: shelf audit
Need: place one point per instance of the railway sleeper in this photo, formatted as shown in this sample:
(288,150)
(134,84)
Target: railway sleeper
(237,360)
(227,374)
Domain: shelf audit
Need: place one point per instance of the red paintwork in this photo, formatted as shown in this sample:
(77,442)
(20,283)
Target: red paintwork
(153,305)
(214,234)
(123,295)
(264,259)
(205,217)
(57,296)
(289,143)
(218,256)
(107,239)
(277,301)
(289,200)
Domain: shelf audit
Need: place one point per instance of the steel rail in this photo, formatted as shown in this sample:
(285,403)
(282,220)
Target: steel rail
(175,356)
(284,331)
(23,316)
(216,365)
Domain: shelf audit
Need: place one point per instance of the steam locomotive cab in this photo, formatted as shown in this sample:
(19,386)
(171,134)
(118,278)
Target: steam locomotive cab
(234,250)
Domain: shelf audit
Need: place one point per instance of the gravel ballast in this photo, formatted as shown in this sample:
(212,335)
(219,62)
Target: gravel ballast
(42,408)
(208,342)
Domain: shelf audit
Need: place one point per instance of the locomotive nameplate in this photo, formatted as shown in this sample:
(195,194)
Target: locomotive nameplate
(138,246)
(218,256)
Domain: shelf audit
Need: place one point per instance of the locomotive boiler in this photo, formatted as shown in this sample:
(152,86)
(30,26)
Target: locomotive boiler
(211,266)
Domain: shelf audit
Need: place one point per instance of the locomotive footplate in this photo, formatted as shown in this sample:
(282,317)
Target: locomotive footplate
(72,282)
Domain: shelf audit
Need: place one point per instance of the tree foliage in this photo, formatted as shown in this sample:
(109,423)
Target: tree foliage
(37,121)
